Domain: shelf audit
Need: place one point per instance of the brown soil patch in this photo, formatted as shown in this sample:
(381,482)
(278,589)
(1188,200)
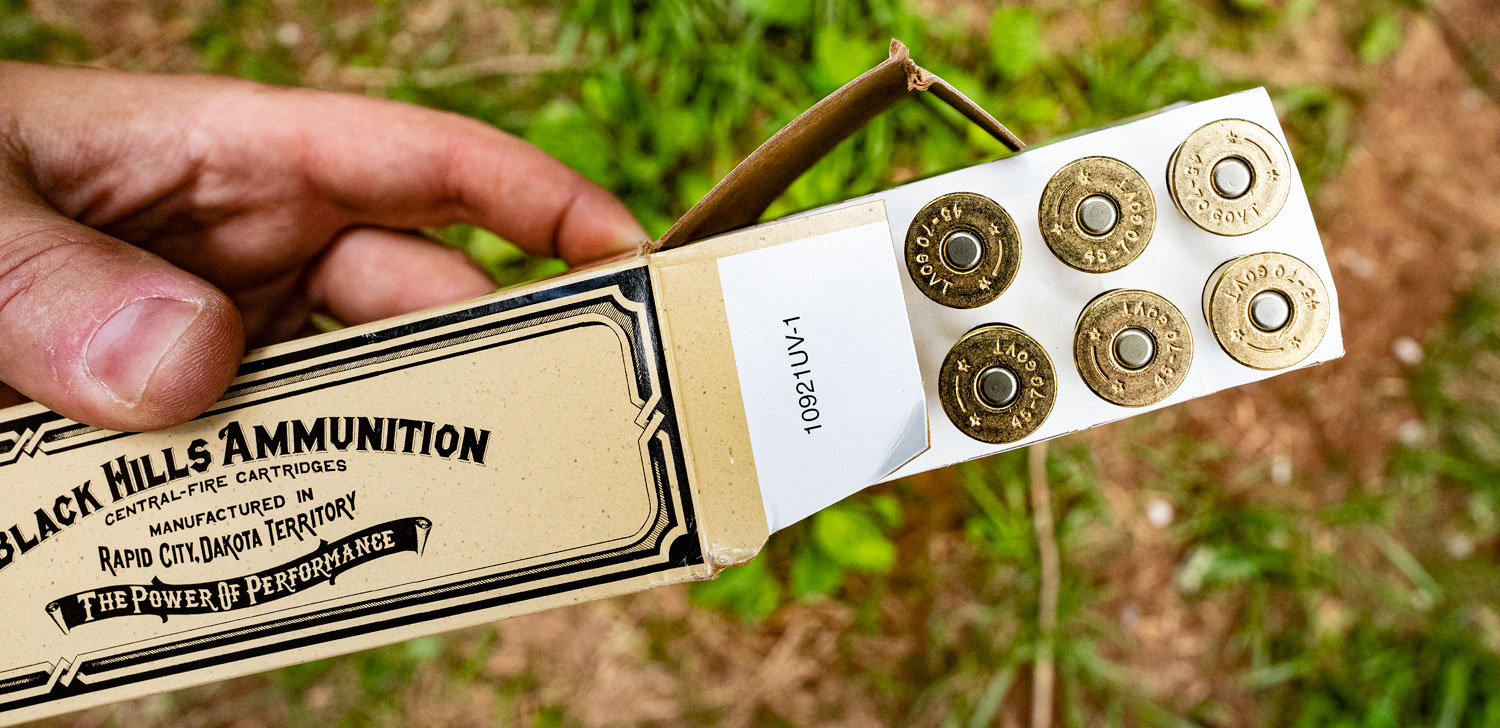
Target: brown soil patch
(1413,216)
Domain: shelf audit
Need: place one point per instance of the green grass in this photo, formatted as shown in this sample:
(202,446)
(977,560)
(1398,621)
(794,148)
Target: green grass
(1418,644)
(1378,608)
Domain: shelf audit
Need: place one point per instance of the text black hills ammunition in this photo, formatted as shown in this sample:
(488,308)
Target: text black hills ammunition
(1132,348)
(997,384)
(1230,177)
(1266,310)
(962,250)
(1097,214)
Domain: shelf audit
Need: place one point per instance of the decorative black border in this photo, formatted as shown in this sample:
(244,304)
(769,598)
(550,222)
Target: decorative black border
(647,554)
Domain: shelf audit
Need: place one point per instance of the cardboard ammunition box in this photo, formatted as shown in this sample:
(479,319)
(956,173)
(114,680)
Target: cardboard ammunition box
(642,422)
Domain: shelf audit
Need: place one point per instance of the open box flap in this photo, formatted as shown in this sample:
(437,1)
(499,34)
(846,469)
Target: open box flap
(836,266)
(744,194)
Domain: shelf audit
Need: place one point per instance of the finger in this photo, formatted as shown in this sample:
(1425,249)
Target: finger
(402,166)
(10,397)
(105,333)
(337,159)
(274,311)
(369,274)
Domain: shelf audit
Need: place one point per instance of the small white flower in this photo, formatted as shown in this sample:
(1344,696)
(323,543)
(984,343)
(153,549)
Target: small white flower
(1159,512)
(1407,350)
(1281,470)
(289,34)
(1460,546)
(1411,433)
(1359,265)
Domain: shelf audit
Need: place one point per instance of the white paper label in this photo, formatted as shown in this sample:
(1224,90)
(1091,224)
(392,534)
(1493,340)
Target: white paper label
(1047,296)
(827,367)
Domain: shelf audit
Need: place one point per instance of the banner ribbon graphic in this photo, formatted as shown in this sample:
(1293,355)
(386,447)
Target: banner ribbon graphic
(323,564)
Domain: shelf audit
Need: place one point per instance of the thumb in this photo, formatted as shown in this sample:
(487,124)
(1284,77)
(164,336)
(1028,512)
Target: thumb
(105,333)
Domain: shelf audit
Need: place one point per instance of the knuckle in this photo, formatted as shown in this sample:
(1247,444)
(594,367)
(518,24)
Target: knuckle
(30,257)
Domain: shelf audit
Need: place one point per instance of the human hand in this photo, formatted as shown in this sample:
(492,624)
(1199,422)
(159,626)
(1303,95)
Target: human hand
(151,226)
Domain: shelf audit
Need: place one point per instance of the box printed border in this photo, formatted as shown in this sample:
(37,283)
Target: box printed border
(620,300)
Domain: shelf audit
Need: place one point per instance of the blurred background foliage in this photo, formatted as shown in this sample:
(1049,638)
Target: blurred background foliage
(1206,580)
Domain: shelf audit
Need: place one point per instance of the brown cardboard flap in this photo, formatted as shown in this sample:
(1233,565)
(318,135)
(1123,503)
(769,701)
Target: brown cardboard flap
(740,198)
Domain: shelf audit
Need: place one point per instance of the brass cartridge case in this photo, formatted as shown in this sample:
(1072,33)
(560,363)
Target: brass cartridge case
(1266,310)
(1097,214)
(1230,177)
(963,250)
(1132,347)
(997,384)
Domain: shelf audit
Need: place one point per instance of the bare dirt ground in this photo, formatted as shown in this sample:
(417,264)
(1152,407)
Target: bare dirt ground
(1413,216)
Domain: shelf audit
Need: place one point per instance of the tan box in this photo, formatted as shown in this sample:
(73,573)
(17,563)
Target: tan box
(534,448)
(642,422)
